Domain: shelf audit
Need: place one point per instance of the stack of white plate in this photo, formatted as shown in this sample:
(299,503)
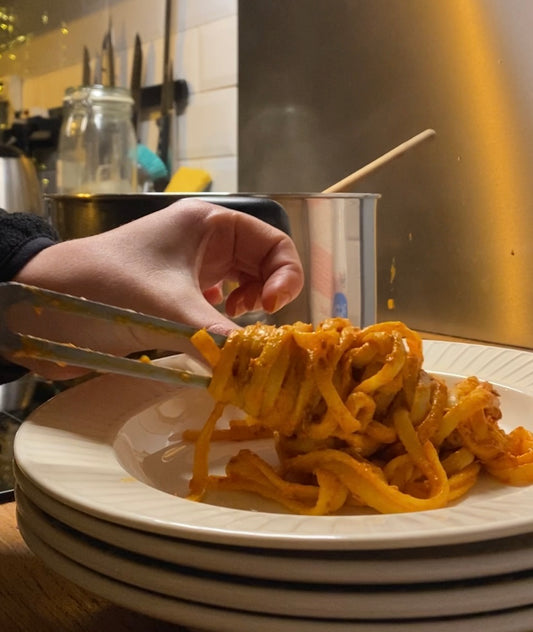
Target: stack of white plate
(102,477)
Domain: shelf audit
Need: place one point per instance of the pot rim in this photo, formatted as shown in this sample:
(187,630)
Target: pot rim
(111,196)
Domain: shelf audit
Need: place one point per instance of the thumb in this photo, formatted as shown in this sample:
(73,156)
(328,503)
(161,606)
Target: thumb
(194,310)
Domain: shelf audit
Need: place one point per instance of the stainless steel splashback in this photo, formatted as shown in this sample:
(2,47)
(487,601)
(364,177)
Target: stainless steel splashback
(326,86)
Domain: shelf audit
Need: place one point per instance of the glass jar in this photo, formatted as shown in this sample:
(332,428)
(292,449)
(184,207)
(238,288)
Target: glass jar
(97,150)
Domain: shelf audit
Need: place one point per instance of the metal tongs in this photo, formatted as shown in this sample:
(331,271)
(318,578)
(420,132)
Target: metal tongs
(30,346)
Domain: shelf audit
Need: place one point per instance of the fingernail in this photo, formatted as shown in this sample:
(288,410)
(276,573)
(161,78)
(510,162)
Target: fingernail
(282,298)
(239,308)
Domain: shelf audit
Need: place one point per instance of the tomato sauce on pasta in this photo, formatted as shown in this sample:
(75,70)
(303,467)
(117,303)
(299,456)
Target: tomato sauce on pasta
(355,418)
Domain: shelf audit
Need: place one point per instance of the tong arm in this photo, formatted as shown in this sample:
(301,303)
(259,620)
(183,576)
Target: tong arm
(32,346)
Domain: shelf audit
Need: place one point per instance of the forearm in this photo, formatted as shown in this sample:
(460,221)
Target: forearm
(169,264)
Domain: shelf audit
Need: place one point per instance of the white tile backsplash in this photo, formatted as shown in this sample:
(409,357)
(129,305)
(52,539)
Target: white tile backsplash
(209,128)
(193,13)
(153,62)
(187,58)
(204,52)
(218,54)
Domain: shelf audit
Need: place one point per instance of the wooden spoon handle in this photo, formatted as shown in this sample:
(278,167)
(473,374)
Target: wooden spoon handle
(346,183)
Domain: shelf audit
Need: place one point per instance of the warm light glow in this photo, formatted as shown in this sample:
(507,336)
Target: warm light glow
(491,119)
(8,33)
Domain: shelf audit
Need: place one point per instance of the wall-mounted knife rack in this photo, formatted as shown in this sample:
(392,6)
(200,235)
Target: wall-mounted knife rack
(41,132)
(151,96)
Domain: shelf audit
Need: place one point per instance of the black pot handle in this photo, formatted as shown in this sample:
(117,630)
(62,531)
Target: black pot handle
(263,208)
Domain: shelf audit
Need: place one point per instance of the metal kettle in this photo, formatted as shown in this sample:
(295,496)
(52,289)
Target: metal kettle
(20,190)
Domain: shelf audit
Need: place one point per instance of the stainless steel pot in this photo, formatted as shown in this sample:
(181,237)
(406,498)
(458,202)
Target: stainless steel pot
(17,396)
(19,185)
(334,233)
(77,216)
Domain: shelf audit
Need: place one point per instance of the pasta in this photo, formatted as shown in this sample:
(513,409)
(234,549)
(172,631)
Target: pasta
(355,418)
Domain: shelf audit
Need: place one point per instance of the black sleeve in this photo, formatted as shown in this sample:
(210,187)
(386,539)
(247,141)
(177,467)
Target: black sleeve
(22,236)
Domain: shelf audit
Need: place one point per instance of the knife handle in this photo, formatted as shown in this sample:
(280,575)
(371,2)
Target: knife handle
(163,144)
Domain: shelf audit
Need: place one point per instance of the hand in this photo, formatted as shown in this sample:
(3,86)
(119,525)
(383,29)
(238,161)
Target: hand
(169,264)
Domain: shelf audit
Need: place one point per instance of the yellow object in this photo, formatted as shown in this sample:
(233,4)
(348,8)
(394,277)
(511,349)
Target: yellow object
(187,179)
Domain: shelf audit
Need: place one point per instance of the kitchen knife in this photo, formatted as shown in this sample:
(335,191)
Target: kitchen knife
(165,119)
(150,165)
(86,75)
(135,83)
(108,60)
(167,100)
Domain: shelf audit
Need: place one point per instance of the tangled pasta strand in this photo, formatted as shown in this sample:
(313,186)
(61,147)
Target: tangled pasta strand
(355,419)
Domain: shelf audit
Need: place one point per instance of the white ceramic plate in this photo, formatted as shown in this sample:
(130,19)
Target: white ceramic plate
(213,619)
(316,601)
(99,448)
(399,566)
